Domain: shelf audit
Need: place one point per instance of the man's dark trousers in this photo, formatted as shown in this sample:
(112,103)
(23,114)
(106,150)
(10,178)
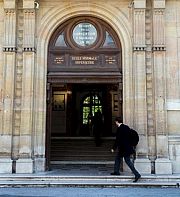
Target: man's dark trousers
(128,161)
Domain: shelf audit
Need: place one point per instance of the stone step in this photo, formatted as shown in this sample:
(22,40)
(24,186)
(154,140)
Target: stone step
(81,158)
(83,149)
(85,158)
(82,162)
(87,181)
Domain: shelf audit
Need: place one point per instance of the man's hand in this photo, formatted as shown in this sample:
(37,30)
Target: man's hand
(112,150)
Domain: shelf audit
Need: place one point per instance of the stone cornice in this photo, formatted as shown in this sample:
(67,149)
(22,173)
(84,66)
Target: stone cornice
(139,48)
(29,49)
(158,48)
(9,49)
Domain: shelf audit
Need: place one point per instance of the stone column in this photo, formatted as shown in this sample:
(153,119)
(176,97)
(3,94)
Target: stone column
(162,163)
(7,92)
(25,162)
(139,74)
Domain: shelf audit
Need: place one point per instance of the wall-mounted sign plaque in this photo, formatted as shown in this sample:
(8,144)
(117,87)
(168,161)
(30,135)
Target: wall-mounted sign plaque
(59,60)
(84,34)
(84,60)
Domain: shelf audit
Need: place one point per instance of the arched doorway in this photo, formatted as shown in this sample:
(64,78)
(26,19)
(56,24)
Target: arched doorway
(84,63)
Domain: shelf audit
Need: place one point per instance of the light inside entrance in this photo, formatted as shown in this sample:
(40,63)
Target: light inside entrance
(91,104)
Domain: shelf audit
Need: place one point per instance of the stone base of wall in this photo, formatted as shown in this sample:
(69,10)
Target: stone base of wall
(163,166)
(24,166)
(39,164)
(143,165)
(5,165)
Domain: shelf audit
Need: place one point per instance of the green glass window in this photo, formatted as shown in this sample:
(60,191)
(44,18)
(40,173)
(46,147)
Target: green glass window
(91,104)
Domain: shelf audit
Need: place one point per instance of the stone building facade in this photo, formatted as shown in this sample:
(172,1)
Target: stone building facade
(149,36)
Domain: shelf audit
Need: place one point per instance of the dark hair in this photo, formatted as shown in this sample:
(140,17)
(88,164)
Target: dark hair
(118,119)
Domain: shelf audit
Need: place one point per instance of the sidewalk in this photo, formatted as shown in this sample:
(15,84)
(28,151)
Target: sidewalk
(89,192)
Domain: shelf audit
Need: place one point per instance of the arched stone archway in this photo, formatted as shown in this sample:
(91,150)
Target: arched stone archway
(50,22)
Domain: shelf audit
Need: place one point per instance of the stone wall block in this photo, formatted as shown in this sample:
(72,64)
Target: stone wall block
(5,165)
(5,145)
(27,94)
(143,165)
(24,166)
(9,4)
(140,91)
(25,148)
(28,4)
(8,93)
(163,166)
(174,152)
(159,73)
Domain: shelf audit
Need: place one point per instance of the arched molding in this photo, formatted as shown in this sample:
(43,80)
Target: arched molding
(50,22)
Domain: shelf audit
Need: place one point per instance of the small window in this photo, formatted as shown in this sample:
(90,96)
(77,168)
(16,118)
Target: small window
(109,42)
(60,42)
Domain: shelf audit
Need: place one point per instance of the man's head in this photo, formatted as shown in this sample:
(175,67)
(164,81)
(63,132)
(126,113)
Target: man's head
(118,121)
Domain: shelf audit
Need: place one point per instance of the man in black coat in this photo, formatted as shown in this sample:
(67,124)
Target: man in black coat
(125,149)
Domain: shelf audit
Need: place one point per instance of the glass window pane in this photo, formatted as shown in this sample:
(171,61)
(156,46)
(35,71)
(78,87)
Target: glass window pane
(109,42)
(84,34)
(87,100)
(86,111)
(91,104)
(60,41)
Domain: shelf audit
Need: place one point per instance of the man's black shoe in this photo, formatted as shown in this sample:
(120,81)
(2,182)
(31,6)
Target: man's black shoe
(114,173)
(137,178)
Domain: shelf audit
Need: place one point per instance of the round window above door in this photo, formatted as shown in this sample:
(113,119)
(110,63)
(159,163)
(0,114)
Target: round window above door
(84,34)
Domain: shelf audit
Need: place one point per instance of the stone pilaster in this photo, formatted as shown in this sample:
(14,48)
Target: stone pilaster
(7,92)
(139,74)
(25,162)
(150,89)
(18,87)
(162,163)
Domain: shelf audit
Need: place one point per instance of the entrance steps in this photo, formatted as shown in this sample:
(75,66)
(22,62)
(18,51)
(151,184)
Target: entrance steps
(86,173)
(45,180)
(81,150)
